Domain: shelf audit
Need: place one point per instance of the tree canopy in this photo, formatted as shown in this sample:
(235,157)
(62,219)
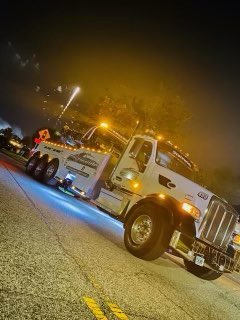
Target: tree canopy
(165,113)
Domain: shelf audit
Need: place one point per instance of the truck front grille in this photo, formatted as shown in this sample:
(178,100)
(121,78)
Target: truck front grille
(218,224)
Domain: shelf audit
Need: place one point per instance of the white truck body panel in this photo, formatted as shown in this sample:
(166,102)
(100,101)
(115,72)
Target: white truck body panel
(85,164)
(176,186)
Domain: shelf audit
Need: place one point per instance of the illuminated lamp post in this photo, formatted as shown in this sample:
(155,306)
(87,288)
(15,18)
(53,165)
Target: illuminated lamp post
(75,92)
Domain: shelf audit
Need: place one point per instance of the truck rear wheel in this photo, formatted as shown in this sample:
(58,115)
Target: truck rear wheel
(201,272)
(40,167)
(147,232)
(50,172)
(32,163)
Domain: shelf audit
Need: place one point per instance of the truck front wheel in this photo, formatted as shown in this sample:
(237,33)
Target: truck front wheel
(201,272)
(147,232)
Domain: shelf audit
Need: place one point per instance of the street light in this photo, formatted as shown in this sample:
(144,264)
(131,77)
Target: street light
(104,125)
(75,92)
(159,137)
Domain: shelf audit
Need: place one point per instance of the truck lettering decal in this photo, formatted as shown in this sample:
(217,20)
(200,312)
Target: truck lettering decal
(85,159)
(189,197)
(178,155)
(49,148)
(81,173)
(203,195)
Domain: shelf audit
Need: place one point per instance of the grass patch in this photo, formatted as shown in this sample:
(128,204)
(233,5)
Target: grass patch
(14,155)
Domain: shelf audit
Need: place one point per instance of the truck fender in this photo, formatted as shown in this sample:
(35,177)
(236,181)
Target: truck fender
(172,209)
(158,202)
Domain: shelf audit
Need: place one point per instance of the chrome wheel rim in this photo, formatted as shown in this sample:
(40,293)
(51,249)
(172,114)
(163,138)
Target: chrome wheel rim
(50,170)
(39,168)
(141,229)
(32,163)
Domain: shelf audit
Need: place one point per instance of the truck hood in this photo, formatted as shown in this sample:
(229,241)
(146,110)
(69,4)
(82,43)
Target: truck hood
(183,189)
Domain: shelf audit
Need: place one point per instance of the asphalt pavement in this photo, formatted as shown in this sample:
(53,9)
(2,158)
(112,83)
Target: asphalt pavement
(61,258)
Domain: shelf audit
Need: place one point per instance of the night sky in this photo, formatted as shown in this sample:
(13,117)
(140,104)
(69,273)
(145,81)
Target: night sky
(46,50)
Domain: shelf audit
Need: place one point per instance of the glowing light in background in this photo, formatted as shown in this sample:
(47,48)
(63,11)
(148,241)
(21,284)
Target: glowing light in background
(75,92)
(160,137)
(104,125)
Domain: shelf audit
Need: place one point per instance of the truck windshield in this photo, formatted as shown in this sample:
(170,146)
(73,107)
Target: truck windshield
(105,141)
(170,158)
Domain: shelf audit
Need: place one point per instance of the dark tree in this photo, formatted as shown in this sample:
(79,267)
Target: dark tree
(7,132)
(27,140)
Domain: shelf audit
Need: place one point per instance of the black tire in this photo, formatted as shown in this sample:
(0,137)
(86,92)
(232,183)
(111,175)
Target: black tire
(158,238)
(32,163)
(50,172)
(40,167)
(201,272)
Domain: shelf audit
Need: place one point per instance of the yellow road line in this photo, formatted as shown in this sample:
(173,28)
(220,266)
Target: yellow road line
(117,311)
(95,309)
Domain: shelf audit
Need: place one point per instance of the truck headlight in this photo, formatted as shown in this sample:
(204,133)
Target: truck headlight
(193,211)
(236,239)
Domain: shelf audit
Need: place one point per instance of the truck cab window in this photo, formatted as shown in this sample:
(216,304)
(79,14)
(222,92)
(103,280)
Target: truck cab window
(167,159)
(138,142)
(103,140)
(145,152)
(144,155)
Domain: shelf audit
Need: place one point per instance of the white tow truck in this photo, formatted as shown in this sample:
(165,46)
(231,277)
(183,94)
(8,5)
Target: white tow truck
(148,184)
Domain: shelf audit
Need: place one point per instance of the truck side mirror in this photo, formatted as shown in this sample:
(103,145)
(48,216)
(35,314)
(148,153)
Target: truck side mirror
(134,151)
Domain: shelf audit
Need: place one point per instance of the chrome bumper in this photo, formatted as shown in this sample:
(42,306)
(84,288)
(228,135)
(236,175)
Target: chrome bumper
(213,258)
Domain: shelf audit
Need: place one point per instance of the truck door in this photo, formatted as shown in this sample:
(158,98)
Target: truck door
(133,165)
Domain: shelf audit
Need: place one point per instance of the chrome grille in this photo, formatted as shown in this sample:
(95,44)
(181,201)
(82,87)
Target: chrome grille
(218,224)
